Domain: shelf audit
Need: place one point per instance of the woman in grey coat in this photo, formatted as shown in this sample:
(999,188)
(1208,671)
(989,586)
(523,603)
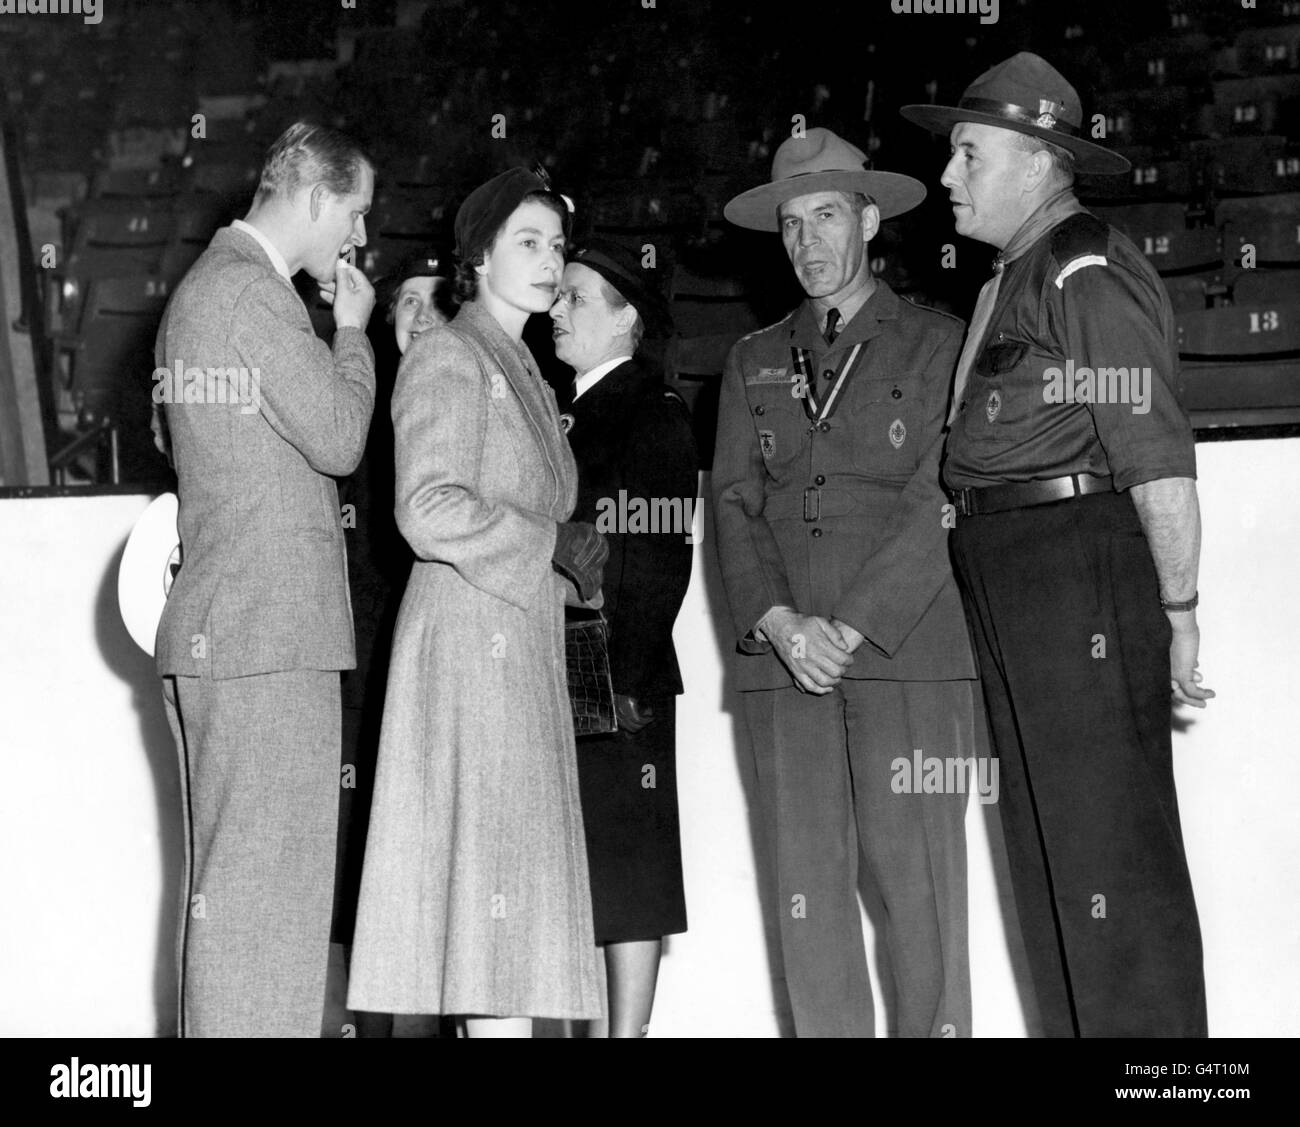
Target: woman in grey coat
(474,893)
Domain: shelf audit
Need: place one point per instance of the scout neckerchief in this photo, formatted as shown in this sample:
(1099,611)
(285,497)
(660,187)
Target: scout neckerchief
(1046,216)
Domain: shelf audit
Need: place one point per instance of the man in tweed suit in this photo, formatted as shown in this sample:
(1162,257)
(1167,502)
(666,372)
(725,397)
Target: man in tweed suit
(258,623)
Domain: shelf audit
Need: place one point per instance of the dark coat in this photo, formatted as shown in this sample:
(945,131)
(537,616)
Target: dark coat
(632,436)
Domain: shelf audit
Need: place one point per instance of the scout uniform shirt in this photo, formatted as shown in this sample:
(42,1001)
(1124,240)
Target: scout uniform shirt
(1077,372)
(830,502)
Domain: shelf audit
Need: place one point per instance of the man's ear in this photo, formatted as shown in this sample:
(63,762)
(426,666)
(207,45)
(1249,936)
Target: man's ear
(1037,169)
(317,200)
(625,319)
(870,222)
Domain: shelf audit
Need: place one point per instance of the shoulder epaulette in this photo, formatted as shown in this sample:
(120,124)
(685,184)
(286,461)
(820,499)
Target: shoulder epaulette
(1080,241)
(769,328)
(937,312)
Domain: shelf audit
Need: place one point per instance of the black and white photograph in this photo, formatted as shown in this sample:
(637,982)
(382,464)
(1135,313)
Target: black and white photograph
(649,519)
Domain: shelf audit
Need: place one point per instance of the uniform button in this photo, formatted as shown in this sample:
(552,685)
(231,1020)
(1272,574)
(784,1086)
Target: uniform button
(823,427)
(828,374)
(759,409)
(817,533)
(896,393)
(820,479)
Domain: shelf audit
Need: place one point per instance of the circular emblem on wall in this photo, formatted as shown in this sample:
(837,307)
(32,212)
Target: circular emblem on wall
(993,406)
(897,433)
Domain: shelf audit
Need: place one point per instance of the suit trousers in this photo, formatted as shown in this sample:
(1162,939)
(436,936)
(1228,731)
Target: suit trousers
(1073,650)
(826,768)
(259,765)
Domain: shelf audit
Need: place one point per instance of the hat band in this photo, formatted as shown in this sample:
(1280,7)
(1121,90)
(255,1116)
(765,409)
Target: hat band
(1048,116)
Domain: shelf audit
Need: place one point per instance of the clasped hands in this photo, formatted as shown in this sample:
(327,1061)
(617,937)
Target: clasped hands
(816,650)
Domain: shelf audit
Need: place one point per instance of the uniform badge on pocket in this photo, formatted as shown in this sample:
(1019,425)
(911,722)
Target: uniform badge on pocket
(897,433)
(993,406)
(767,442)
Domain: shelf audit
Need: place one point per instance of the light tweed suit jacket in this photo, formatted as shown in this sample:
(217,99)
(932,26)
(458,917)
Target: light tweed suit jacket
(263,581)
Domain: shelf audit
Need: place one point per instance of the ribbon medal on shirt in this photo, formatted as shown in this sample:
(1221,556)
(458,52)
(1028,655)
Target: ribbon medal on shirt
(818,409)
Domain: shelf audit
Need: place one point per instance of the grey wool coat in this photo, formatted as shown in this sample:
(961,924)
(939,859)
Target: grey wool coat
(474,892)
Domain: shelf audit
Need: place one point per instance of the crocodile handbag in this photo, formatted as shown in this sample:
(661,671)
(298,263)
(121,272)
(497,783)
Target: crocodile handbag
(591,688)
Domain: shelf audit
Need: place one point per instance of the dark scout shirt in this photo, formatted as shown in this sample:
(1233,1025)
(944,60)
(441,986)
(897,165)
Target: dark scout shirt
(1077,370)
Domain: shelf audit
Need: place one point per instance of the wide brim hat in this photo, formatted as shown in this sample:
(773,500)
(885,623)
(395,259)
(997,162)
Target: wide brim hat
(820,161)
(1025,94)
(623,270)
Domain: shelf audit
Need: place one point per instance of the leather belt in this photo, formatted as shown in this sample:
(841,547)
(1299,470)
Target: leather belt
(972,502)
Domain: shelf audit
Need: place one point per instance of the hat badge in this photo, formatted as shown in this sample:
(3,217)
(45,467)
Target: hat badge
(1047,114)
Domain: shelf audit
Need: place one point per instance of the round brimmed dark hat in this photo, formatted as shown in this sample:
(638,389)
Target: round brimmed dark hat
(623,270)
(1025,94)
(821,162)
(489,205)
(427,262)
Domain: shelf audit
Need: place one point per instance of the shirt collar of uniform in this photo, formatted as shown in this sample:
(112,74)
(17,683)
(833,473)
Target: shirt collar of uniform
(277,259)
(880,307)
(586,382)
(1043,218)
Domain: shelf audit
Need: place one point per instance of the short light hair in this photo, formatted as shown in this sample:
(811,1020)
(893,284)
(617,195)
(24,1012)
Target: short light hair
(618,303)
(305,155)
(1062,159)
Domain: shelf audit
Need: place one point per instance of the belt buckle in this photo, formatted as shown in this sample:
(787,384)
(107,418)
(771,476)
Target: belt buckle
(812,504)
(961,500)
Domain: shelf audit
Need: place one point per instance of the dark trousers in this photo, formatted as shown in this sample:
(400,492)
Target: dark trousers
(1073,651)
(826,767)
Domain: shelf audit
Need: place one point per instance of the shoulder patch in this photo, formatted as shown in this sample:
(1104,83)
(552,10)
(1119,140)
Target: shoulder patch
(1079,236)
(1079,242)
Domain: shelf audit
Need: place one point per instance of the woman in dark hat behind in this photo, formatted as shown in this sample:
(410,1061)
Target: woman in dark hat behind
(474,896)
(637,470)
(419,295)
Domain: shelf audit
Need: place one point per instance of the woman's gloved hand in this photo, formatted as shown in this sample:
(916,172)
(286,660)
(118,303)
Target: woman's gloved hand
(580,554)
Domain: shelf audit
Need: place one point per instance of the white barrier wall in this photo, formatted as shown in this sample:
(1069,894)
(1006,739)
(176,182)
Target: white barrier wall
(89,815)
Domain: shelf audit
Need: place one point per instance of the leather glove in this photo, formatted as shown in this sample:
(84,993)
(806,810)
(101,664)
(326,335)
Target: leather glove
(580,554)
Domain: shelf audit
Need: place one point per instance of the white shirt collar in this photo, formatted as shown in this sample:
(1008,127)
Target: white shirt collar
(586,382)
(277,259)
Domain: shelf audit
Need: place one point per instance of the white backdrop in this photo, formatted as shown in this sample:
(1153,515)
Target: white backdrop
(89,813)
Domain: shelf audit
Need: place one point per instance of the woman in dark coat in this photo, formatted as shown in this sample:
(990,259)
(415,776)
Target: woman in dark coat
(475,898)
(637,472)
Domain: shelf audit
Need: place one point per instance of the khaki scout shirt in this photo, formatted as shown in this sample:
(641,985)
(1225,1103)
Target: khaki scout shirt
(1078,370)
(844,518)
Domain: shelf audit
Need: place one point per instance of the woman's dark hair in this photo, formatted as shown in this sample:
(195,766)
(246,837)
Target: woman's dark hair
(467,279)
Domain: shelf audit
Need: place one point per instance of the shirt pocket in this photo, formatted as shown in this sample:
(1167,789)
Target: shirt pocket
(887,420)
(1004,394)
(780,428)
